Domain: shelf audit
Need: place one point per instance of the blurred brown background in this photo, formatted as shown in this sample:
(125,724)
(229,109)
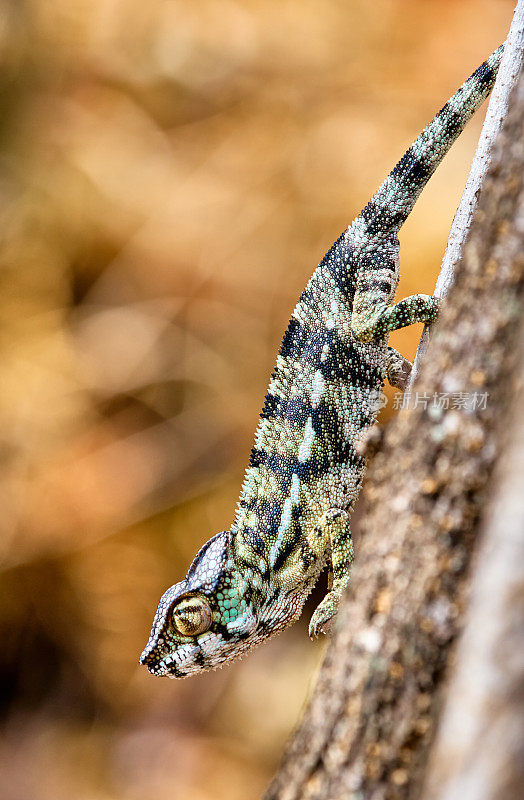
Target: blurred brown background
(171,173)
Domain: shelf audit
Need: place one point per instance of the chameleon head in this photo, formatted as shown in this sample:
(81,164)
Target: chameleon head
(211,617)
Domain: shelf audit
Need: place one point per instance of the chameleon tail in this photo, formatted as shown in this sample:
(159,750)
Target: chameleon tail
(387,211)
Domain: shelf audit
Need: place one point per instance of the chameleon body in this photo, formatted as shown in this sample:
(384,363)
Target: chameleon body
(305,470)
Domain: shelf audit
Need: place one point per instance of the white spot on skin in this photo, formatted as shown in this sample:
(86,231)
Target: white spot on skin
(319,385)
(285,521)
(282,528)
(295,489)
(286,516)
(304,451)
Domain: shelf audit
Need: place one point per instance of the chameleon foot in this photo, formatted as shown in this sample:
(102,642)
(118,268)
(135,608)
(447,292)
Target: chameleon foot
(336,524)
(322,619)
(398,369)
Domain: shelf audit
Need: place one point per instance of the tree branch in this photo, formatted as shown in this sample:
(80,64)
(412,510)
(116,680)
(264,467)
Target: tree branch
(479,752)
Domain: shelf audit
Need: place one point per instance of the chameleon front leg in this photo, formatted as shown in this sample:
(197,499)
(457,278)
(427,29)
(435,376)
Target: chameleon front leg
(380,320)
(335,525)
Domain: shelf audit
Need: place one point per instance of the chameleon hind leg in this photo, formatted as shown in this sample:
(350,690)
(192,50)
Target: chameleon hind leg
(335,525)
(373,317)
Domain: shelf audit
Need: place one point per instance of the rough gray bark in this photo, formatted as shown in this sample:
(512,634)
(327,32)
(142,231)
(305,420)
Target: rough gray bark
(369,727)
(479,750)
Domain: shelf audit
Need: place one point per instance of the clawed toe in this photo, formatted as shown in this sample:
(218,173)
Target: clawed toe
(320,624)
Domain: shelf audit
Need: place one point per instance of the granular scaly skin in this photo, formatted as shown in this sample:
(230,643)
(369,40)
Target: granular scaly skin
(305,470)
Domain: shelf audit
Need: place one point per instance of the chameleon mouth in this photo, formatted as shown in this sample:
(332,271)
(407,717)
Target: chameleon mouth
(160,667)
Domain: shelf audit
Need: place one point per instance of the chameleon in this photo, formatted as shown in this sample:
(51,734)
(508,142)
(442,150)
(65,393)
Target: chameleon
(306,467)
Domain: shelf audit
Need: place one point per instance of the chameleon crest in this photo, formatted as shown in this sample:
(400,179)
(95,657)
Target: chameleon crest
(305,470)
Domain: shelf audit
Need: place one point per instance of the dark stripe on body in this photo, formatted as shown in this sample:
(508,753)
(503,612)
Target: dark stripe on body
(325,422)
(346,362)
(339,451)
(294,540)
(272,406)
(253,540)
(306,554)
(289,543)
(341,264)
(267,512)
(218,627)
(453,120)
(365,286)
(484,75)
(342,361)
(381,257)
(410,168)
(381,218)
(291,339)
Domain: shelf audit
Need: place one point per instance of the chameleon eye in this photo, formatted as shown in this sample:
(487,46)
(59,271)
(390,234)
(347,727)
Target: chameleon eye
(191,616)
